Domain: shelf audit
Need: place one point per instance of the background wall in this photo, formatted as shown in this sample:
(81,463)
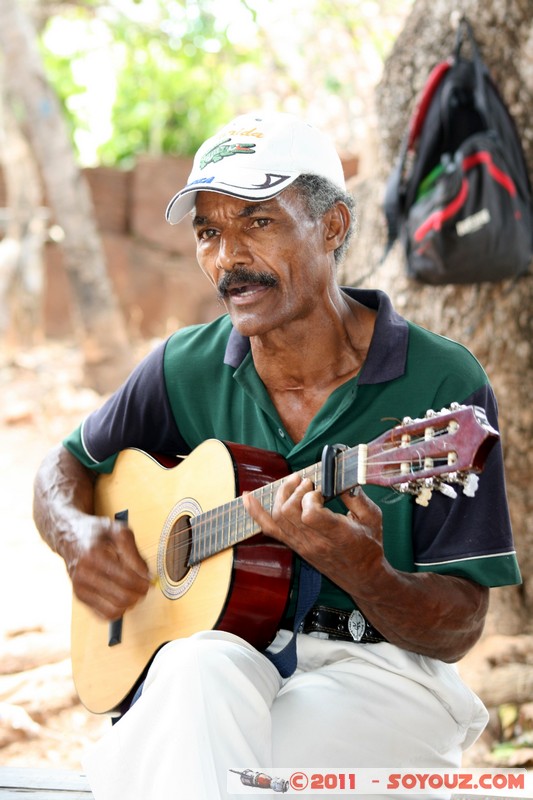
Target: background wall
(152,264)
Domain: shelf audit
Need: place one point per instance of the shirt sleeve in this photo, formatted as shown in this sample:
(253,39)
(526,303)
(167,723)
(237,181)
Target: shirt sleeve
(137,415)
(470,536)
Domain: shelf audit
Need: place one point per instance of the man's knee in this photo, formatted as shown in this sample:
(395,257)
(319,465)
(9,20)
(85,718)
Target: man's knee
(212,657)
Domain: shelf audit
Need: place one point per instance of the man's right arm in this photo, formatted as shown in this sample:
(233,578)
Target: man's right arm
(100,554)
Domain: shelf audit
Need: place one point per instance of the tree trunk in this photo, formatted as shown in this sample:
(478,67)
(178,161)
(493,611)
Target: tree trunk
(21,264)
(36,110)
(495,321)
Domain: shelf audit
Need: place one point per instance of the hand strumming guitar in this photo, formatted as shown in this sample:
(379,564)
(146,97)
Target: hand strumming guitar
(102,559)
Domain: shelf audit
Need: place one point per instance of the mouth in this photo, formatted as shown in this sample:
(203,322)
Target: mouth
(244,295)
(242,285)
(245,291)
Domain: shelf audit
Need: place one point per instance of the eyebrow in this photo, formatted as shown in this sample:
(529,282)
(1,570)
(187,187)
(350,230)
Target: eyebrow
(247,211)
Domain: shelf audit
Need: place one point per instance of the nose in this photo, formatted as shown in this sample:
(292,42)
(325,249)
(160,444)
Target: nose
(232,252)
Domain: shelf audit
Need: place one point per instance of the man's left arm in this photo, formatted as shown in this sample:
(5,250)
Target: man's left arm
(440,616)
(436,615)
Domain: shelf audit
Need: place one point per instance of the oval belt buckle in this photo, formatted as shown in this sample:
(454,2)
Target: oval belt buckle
(356,625)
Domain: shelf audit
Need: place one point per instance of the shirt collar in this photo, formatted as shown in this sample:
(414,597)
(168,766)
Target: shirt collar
(387,353)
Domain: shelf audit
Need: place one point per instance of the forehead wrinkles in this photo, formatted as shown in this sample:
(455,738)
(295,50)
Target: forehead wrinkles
(211,206)
(221,211)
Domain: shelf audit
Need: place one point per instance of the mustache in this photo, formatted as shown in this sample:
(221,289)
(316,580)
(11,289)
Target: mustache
(239,276)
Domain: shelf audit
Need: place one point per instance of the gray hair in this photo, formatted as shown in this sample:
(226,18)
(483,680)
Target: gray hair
(321,194)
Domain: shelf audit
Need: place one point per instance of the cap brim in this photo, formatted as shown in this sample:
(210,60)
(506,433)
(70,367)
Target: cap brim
(259,186)
(181,204)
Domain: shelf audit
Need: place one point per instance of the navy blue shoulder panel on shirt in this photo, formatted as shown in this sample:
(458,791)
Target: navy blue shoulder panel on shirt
(137,415)
(472,527)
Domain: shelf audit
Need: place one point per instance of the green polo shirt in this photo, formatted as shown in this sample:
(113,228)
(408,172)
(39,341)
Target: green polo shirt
(202,383)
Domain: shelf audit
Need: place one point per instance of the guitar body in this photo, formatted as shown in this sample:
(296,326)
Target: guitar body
(243,589)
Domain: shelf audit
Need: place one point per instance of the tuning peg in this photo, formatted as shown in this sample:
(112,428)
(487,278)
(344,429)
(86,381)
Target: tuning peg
(447,490)
(470,484)
(423,496)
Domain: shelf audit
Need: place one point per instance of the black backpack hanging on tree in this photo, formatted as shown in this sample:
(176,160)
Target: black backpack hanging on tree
(459,197)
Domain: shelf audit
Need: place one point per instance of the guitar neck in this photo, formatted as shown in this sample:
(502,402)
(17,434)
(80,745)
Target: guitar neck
(417,457)
(227,525)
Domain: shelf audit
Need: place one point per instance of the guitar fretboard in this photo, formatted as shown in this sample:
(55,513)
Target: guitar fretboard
(227,525)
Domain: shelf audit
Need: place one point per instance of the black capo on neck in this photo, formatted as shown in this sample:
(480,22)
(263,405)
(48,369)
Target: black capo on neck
(329,469)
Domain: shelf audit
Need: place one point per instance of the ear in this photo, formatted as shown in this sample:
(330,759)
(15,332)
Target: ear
(336,224)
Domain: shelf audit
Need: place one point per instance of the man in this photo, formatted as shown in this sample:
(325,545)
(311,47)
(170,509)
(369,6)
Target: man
(297,363)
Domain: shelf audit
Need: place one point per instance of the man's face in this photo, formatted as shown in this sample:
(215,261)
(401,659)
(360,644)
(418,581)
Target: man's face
(269,260)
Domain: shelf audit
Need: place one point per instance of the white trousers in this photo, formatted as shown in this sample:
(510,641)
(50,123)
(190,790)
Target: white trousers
(212,703)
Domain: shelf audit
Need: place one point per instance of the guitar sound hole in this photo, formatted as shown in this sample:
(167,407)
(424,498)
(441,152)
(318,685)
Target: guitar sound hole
(178,550)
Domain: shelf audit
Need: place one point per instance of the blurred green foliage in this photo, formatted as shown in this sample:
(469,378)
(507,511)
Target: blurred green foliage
(178,69)
(172,73)
(173,85)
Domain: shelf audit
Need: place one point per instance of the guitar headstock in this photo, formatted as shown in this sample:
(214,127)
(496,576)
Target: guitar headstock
(420,456)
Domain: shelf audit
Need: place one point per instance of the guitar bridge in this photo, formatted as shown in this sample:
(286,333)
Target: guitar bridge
(114,636)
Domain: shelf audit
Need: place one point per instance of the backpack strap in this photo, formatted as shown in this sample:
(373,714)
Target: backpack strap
(480,94)
(464,31)
(394,189)
(419,114)
(394,197)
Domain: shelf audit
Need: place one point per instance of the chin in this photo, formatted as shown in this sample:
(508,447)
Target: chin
(250,325)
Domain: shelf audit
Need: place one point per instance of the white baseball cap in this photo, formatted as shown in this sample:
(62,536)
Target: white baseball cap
(255,157)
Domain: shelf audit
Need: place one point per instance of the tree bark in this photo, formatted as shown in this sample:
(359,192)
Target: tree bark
(21,263)
(495,321)
(36,109)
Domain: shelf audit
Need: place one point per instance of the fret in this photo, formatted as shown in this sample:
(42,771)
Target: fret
(317,477)
(207,531)
(197,527)
(310,473)
(340,476)
(206,526)
(267,495)
(239,519)
(247,523)
(233,527)
(240,522)
(210,528)
(347,469)
(225,524)
(218,539)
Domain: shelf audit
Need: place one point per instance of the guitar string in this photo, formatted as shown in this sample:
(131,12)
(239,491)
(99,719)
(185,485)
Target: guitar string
(210,518)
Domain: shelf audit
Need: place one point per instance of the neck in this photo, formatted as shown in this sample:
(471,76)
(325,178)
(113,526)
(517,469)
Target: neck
(316,352)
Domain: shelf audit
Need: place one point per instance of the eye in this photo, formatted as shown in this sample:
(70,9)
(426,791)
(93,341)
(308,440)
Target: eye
(260,222)
(206,234)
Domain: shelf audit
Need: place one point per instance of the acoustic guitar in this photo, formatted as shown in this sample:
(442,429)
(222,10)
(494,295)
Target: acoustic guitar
(214,568)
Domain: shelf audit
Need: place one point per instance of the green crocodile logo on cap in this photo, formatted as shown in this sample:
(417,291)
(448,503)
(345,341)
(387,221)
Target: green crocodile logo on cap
(223,150)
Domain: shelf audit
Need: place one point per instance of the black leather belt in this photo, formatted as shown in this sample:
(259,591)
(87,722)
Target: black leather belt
(350,626)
